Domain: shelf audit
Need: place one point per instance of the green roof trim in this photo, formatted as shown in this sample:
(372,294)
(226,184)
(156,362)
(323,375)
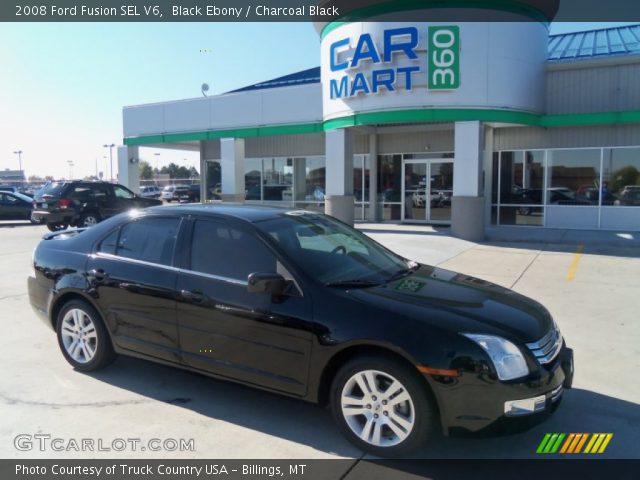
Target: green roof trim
(425,115)
(484,115)
(433,115)
(361,14)
(584,119)
(264,131)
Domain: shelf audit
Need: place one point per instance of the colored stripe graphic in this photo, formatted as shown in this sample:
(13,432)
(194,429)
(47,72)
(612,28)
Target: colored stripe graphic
(582,442)
(550,443)
(572,443)
(543,443)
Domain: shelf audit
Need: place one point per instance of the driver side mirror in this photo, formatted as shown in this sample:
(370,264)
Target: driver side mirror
(272,283)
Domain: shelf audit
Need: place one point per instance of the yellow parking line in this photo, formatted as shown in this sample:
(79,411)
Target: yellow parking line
(574,263)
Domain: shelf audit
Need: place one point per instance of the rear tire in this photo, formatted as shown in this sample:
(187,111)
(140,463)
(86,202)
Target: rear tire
(89,219)
(390,418)
(56,227)
(83,338)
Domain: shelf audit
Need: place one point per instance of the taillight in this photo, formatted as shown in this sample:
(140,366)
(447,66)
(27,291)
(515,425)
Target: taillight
(65,203)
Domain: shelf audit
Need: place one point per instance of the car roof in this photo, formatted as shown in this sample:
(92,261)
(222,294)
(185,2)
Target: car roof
(249,213)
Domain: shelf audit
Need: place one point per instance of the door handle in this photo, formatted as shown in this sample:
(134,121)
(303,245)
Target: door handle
(98,274)
(192,296)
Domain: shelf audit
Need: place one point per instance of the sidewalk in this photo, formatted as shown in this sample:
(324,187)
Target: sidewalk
(519,236)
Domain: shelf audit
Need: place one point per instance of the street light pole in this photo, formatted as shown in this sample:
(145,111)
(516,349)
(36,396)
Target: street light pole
(110,147)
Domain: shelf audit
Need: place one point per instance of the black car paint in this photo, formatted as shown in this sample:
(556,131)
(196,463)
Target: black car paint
(293,344)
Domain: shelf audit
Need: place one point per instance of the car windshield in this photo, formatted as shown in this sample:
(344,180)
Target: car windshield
(332,252)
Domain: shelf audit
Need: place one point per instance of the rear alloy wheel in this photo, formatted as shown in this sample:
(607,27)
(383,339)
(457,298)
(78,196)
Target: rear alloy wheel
(381,406)
(89,219)
(83,338)
(56,227)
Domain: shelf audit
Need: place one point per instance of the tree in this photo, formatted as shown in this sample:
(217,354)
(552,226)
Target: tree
(146,172)
(176,171)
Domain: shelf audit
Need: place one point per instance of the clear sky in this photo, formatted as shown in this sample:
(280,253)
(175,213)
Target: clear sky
(62,86)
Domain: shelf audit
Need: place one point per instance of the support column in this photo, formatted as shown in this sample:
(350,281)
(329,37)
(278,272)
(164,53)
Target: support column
(339,200)
(128,167)
(232,165)
(203,173)
(467,205)
(373,178)
(488,173)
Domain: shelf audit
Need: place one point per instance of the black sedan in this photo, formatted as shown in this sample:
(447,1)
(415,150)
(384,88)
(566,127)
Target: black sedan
(301,304)
(15,206)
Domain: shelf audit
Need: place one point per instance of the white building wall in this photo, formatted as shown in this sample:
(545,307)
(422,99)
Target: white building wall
(274,106)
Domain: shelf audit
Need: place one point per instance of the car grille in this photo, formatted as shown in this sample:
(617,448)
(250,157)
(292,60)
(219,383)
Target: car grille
(547,348)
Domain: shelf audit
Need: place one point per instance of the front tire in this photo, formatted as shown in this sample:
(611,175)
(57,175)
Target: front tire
(83,338)
(382,406)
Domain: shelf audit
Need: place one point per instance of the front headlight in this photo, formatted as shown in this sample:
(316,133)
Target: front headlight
(506,357)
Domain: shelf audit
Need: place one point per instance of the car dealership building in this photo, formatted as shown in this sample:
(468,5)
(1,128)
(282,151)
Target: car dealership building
(470,124)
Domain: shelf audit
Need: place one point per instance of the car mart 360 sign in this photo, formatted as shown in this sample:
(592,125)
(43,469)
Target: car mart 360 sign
(443,65)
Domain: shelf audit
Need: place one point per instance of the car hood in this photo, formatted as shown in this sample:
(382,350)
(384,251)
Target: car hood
(461,303)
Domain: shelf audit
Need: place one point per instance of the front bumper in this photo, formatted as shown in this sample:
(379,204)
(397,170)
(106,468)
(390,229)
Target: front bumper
(477,403)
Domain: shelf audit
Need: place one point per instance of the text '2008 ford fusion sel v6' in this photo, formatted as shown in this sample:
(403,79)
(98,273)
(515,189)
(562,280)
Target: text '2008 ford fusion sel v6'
(301,304)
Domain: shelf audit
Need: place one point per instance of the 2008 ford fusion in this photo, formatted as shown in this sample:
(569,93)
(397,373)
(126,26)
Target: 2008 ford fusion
(301,304)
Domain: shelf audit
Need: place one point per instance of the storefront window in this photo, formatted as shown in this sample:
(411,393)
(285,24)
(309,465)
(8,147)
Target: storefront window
(310,182)
(574,177)
(598,181)
(621,177)
(253,178)
(519,181)
(278,180)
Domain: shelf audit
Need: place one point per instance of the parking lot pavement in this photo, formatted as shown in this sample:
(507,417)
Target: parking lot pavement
(596,308)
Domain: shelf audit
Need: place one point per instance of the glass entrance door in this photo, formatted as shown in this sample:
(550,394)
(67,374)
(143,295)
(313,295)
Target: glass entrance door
(427,187)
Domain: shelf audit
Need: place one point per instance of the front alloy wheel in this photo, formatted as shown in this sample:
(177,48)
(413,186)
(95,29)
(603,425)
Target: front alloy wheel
(378,408)
(82,337)
(382,406)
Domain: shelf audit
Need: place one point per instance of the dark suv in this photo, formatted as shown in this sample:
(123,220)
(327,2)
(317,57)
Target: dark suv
(82,204)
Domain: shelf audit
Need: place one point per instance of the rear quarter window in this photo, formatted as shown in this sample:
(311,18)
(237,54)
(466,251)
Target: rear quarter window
(149,239)
(54,189)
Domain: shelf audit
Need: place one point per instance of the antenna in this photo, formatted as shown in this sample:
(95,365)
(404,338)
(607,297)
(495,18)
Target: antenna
(204,89)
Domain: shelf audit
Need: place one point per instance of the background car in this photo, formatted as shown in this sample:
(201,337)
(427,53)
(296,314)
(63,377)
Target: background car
(194,193)
(181,193)
(177,193)
(167,193)
(630,195)
(150,191)
(15,206)
(83,204)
